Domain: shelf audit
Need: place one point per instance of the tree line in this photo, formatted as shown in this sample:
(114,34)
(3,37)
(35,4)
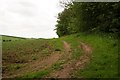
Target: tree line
(97,17)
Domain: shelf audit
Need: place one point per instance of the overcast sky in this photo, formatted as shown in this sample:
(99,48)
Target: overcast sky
(29,18)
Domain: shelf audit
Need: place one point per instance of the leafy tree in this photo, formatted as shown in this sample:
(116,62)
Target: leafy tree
(89,17)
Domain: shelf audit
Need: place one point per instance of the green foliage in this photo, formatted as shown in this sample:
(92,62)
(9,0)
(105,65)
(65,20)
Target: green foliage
(89,17)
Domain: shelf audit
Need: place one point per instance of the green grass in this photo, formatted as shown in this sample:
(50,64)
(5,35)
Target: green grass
(34,58)
(58,65)
(104,61)
(30,48)
(24,51)
(12,38)
(38,74)
(77,52)
(74,43)
(42,73)
(14,66)
(58,44)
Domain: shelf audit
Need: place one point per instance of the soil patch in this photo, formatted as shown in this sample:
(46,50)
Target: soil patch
(69,67)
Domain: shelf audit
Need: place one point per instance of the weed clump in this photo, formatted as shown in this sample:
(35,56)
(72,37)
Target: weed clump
(57,50)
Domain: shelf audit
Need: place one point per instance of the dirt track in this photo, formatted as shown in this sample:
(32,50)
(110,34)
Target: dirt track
(72,65)
(46,63)
(37,65)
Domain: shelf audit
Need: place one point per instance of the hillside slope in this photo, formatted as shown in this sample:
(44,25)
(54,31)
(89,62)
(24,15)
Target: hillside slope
(76,55)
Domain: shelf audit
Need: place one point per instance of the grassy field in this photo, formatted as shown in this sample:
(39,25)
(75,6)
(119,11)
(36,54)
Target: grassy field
(20,53)
(6,38)
(104,61)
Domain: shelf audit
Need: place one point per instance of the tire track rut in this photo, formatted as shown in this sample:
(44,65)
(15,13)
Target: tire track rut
(72,65)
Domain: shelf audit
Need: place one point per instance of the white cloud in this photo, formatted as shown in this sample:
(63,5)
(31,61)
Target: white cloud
(29,18)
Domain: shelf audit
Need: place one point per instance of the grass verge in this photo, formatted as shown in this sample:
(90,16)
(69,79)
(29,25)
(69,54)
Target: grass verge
(104,61)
